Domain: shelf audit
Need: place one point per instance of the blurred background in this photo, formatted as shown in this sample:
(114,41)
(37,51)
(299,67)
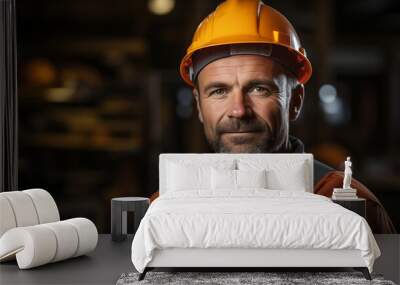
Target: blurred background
(100,95)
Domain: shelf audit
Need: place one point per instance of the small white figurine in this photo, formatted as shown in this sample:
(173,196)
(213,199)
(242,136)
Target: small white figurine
(347,174)
(345,193)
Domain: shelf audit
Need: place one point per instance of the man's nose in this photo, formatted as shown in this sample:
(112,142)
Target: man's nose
(239,107)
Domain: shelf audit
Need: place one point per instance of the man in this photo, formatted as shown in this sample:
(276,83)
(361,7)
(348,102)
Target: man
(248,70)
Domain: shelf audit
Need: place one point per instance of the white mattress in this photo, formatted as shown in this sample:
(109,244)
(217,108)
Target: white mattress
(255,218)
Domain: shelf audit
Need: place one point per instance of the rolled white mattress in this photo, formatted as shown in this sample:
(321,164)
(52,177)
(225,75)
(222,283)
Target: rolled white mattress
(26,208)
(40,244)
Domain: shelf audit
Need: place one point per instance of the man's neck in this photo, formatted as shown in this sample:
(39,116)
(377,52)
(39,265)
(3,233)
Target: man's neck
(293,145)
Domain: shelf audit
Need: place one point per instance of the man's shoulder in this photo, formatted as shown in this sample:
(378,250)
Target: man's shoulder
(320,170)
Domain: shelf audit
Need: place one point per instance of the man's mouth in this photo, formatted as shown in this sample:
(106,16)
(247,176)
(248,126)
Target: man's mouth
(241,132)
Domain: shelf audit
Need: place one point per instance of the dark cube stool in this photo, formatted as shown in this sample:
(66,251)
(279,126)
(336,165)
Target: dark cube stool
(356,205)
(119,208)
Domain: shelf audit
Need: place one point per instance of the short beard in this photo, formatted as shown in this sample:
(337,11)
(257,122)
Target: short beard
(267,143)
(221,148)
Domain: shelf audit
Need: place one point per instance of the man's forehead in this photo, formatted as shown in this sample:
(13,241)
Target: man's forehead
(252,66)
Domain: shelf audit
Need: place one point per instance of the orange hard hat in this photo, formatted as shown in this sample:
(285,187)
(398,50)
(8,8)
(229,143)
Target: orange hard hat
(238,22)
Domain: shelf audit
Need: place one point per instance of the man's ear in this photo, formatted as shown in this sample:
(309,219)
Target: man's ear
(196,96)
(296,102)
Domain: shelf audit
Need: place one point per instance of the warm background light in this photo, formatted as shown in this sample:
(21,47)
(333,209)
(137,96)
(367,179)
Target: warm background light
(161,7)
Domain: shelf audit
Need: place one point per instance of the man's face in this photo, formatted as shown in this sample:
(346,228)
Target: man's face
(243,103)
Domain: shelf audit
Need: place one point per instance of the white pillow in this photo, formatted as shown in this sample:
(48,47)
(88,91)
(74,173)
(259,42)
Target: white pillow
(193,174)
(236,179)
(291,175)
(187,177)
(251,178)
(223,179)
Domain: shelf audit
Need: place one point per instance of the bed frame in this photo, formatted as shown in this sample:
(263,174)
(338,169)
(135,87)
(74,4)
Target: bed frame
(250,258)
(242,259)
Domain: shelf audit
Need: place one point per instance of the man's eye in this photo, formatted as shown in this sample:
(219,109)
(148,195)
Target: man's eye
(218,92)
(258,90)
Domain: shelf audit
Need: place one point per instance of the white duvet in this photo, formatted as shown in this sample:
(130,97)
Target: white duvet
(256,218)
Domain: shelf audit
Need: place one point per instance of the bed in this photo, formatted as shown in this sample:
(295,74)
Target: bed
(246,211)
